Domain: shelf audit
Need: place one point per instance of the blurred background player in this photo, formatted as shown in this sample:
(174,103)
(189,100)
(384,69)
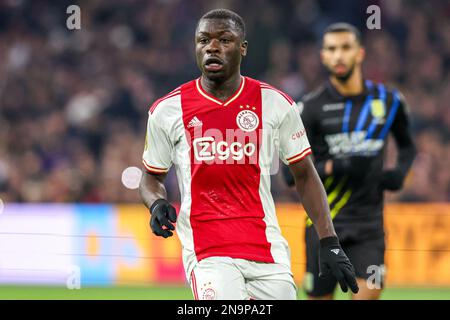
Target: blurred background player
(232,243)
(348,121)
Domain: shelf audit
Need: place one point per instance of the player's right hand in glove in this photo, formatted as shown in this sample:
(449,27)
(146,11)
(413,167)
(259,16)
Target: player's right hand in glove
(334,261)
(163,214)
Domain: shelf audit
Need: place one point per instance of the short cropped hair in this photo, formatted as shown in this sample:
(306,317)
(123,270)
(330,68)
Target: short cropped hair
(343,27)
(227,15)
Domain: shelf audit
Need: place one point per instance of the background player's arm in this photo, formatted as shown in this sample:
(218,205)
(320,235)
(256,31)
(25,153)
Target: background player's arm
(393,179)
(313,196)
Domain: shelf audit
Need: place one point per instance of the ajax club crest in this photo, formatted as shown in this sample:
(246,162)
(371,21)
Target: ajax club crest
(247,120)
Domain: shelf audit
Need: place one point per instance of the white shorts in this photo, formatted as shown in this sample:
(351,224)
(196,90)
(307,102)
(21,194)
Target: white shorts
(225,278)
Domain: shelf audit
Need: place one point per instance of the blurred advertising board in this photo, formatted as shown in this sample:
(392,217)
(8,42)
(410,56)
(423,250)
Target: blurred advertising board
(101,245)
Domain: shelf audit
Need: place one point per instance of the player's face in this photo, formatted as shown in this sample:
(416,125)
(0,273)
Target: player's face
(219,48)
(341,53)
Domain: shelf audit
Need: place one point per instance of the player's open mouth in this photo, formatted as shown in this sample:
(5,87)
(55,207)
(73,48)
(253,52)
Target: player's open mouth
(213,64)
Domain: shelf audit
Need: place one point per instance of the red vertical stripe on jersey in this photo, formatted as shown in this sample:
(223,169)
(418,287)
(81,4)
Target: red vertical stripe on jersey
(194,285)
(226,209)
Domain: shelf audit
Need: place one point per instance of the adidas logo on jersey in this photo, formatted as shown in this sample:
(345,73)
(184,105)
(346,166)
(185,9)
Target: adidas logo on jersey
(195,122)
(335,251)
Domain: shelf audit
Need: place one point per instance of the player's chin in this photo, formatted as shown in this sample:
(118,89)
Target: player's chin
(214,75)
(342,75)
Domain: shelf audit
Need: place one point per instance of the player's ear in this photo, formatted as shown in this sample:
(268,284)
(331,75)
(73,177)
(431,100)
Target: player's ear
(361,54)
(322,55)
(244,47)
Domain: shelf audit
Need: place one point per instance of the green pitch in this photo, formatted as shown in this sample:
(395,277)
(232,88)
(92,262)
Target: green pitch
(180,293)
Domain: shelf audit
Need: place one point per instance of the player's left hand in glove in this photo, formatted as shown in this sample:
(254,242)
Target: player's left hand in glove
(334,261)
(163,214)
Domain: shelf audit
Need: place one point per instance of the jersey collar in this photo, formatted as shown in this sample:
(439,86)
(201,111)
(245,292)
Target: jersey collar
(332,90)
(214,99)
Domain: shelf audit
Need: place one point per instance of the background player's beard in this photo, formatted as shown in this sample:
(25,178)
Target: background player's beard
(343,77)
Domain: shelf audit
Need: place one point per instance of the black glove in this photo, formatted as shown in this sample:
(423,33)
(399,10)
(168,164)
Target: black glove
(391,180)
(162,214)
(332,259)
(356,167)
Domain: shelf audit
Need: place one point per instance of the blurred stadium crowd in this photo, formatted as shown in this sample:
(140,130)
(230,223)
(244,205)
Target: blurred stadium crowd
(73,104)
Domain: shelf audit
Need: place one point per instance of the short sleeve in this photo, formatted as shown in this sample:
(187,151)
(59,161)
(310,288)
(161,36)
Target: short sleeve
(157,157)
(294,144)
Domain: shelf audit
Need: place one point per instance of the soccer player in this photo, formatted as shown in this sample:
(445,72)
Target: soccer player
(218,130)
(348,120)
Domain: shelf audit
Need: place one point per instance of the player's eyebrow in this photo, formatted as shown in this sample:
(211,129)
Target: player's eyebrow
(340,45)
(218,32)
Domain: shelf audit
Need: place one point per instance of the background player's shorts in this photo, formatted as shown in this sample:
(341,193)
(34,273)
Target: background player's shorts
(362,254)
(225,278)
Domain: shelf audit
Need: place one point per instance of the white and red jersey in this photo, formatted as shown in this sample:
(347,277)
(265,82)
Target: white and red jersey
(222,152)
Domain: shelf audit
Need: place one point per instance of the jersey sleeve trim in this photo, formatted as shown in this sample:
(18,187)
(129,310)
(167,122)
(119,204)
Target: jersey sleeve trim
(152,169)
(299,157)
(168,96)
(284,95)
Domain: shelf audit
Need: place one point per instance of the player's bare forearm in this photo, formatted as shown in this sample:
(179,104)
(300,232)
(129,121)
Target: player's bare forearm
(313,196)
(152,188)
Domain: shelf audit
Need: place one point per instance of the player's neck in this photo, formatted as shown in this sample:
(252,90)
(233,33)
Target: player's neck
(222,90)
(352,86)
